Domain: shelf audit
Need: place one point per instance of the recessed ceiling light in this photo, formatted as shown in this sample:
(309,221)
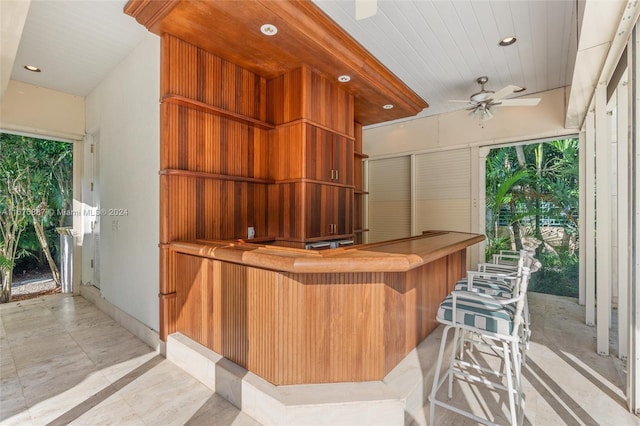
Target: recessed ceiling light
(521,89)
(344,78)
(32,68)
(269,29)
(387,106)
(507,41)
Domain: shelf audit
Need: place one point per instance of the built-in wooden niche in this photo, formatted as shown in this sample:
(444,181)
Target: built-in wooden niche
(311,157)
(214,146)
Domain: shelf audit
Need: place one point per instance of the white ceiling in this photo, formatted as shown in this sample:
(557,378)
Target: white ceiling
(75,43)
(438,48)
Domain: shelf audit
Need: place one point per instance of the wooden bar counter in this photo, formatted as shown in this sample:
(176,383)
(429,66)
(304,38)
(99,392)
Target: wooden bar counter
(297,316)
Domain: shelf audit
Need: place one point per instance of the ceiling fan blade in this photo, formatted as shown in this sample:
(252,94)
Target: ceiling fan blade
(520,102)
(504,92)
(488,115)
(366,9)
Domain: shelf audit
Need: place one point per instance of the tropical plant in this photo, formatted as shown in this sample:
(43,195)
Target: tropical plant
(37,179)
(525,184)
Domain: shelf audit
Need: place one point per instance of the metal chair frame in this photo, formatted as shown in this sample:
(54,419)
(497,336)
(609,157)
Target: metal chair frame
(507,346)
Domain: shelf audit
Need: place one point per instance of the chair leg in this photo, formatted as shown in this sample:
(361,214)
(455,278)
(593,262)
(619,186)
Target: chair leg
(517,362)
(436,375)
(508,369)
(458,339)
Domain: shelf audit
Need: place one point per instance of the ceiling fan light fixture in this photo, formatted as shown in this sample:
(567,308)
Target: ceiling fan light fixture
(507,41)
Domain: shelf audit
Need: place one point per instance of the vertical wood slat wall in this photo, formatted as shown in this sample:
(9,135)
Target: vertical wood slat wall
(275,324)
(217,155)
(214,165)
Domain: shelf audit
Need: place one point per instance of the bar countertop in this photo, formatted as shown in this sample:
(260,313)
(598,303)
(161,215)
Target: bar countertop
(389,256)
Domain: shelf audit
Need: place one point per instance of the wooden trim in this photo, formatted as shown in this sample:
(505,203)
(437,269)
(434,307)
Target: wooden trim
(149,12)
(399,255)
(309,38)
(360,154)
(205,175)
(359,192)
(318,125)
(359,231)
(307,180)
(201,106)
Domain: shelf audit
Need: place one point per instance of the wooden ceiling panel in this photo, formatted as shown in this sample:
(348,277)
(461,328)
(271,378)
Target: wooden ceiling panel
(305,35)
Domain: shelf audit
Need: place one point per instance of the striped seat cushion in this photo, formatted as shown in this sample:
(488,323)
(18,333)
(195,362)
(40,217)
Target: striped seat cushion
(482,315)
(495,288)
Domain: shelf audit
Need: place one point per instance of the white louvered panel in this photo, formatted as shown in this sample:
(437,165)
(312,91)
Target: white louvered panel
(443,191)
(443,175)
(444,215)
(389,198)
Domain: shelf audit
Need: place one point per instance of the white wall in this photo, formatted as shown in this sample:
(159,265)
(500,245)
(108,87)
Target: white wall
(34,110)
(448,163)
(457,129)
(124,110)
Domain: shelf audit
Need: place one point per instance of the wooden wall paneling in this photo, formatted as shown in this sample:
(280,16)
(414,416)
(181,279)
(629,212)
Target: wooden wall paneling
(168,314)
(205,142)
(395,326)
(322,93)
(318,158)
(342,159)
(287,152)
(191,282)
(262,310)
(285,96)
(314,350)
(431,288)
(234,327)
(197,74)
(456,268)
(287,210)
(179,208)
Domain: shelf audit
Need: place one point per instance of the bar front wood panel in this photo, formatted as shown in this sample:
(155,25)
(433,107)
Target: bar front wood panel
(293,328)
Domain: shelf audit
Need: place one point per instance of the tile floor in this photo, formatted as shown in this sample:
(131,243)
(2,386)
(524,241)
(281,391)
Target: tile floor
(63,361)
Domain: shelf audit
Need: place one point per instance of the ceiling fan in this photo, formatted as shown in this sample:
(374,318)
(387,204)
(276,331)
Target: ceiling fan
(483,103)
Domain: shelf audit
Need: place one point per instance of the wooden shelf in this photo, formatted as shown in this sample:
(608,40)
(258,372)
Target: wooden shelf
(358,192)
(318,125)
(205,175)
(360,154)
(360,231)
(201,106)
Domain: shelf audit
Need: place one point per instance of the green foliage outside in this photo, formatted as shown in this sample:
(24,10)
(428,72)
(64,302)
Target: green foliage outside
(35,198)
(532,201)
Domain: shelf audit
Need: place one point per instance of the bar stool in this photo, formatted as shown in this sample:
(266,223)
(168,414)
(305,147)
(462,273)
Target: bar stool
(497,279)
(496,322)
